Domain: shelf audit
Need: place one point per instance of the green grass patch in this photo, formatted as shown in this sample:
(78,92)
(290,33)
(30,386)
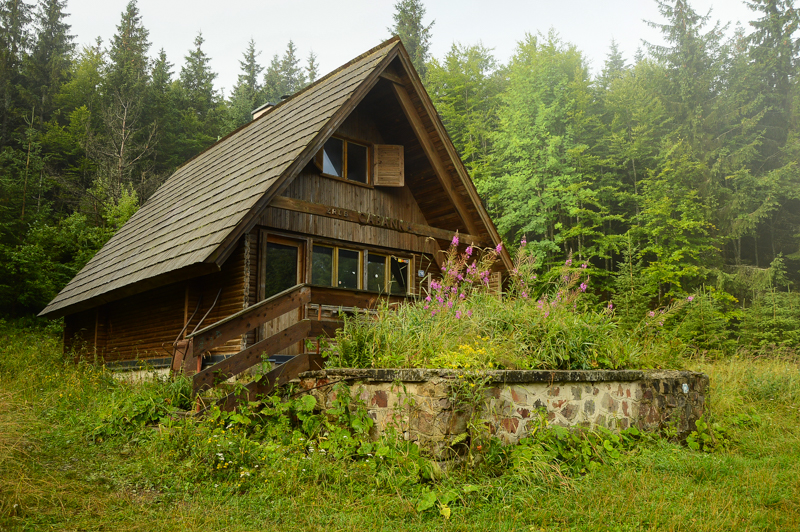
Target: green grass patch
(80,450)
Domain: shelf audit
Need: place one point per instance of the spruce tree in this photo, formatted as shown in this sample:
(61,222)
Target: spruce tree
(48,66)
(414,34)
(247,92)
(197,80)
(292,74)
(15,33)
(312,67)
(129,65)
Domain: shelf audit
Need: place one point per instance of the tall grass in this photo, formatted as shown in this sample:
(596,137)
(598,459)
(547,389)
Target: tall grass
(545,322)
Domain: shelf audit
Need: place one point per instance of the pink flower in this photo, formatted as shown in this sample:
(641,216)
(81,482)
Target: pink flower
(690,298)
(651,314)
(458,314)
(469,313)
(524,241)
(534,277)
(428,298)
(455,240)
(610,305)
(434,312)
(524,295)
(469,251)
(661,323)
(450,304)
(546,313)
(462,296)
(440,299)
(425,307)
(584,266)
(569,262)
(583,287)
(499,247)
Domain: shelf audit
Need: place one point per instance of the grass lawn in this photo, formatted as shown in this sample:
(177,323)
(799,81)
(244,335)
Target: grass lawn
(62,468)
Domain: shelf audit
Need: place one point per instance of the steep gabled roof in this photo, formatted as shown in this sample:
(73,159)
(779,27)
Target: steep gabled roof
(191,223)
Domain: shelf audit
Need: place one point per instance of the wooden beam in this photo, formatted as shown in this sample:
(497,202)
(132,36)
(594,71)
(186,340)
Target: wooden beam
(433,156)
(247,319)
(363,218)
(246,359)
(392,76)
(416,84)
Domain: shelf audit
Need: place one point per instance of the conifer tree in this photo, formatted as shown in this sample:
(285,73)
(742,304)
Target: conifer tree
(129,65)
(292,74)
(49,64)
(312,67)
(15,33)
(414,34)
(197,79)
(247,92)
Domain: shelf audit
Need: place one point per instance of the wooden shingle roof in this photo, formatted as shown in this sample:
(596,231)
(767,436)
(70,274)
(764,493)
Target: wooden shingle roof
(197,211)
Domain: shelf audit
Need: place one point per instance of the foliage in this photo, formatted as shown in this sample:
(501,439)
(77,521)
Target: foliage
(542,322)
(55,474)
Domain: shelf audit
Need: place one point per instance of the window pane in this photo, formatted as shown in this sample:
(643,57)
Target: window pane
(322,266)
(356,162)
(399,273)
(376,273)
(281,268)
(348,268)
(332,157)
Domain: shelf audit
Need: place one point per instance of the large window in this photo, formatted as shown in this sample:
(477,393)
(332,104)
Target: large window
(387,274)
(335,266)
(345,159)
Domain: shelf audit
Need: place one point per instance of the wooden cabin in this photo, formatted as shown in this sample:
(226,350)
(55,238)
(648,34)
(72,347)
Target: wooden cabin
(342,194)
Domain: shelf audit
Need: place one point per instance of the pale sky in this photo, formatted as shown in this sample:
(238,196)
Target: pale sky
(339,31)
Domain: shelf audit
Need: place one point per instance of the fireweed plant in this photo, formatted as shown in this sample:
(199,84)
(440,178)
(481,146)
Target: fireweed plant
(538,323)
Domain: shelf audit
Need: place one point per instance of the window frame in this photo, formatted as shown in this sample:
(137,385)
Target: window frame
(387,272)
(335,265)
(318,158)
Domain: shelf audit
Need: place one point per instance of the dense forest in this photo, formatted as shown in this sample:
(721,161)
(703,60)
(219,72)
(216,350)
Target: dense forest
(673,172)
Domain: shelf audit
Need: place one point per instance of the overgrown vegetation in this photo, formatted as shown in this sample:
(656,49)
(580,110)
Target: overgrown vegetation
(80,449)
(549,319)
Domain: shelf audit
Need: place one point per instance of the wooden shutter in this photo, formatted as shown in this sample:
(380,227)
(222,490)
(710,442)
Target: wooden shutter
(388,168)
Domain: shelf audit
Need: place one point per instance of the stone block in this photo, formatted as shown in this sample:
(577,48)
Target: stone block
(609,403)
(576,393)
(380,399)
(519,396)
(425,422)
(510,424)
(524,413)
(553,391)
(588,407)
(570,411)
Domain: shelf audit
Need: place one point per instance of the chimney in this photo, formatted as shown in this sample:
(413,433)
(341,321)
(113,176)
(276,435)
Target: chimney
(258,111)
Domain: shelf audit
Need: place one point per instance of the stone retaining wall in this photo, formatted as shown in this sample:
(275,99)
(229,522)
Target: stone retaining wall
(433,407)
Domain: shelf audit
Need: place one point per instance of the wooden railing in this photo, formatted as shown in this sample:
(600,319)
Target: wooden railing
(188,352)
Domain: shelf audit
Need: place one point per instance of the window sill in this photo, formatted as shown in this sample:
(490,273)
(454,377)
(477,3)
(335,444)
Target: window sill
(348,181)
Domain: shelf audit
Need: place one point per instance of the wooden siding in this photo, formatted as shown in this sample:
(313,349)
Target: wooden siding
(144,326)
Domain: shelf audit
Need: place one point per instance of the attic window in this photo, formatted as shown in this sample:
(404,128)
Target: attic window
(344,159)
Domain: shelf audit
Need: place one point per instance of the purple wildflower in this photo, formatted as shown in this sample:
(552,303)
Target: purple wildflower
(434,312)
(661,323)
(462,296)
(428,298)
(469,251)
(450,304)
(524,295)
(425,307)
(440,299)
(651,314)
(469,313)
(499,247)
(584,266)
(610,305)
(546,313)
(455,240)
(690,298)
(583,287)
(569,262)
(524,241)
(534,277)
(458,314)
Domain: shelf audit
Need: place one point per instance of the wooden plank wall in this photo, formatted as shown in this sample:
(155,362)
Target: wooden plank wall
(145,325)
(393,202)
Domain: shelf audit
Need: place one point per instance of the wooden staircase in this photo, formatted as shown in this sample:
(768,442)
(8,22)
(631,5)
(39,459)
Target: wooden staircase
(188,353)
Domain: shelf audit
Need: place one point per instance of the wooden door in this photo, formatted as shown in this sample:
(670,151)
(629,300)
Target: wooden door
(281,267)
